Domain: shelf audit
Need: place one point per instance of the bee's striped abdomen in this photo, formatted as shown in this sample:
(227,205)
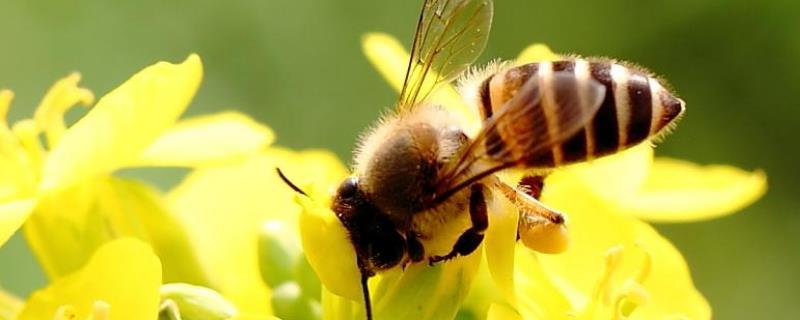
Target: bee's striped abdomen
(635,107)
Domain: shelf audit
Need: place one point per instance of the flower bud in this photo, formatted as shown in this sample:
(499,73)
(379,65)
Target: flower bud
(194,303)
(279,252)
(289,302)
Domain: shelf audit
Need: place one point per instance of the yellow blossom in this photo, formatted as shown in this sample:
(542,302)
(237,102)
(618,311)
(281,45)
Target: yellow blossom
(66,194)
(247,224)
(120,281)
(224,221)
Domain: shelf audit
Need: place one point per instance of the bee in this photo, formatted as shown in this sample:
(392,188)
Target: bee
(420,176)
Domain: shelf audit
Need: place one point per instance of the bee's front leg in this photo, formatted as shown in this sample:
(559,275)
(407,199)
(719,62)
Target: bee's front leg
(416,252)
(472,238)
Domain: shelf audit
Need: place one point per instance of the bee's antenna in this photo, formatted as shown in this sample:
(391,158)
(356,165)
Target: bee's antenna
(365,291)
(290,183)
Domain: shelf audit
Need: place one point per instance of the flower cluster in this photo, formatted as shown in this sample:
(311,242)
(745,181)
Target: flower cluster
(231,241)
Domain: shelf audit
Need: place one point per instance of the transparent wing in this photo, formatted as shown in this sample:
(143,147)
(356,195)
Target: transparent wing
(544,113)
(450,35)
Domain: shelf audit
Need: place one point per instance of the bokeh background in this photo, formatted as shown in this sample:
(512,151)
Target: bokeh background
(297,66)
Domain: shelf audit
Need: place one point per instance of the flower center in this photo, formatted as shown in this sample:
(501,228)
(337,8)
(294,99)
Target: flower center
(21,150)
(100,311)
(617,295)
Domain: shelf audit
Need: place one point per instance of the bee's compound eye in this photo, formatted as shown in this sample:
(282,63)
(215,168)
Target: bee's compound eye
(348,188)
(386,250)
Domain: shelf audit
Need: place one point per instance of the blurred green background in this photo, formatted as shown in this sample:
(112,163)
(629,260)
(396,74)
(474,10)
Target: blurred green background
(297,66)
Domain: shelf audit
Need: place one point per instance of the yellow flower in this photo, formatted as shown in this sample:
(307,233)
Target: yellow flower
(65,191)
(226,206)
(120,281)
(616,267)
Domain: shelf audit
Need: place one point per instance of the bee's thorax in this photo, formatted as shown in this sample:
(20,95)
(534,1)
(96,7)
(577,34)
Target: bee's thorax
(400,161)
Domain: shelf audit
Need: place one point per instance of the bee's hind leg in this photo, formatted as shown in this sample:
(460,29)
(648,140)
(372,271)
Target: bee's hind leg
(472,238)
(531,185)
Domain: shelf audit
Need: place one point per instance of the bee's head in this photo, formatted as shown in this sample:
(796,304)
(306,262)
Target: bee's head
(376,240)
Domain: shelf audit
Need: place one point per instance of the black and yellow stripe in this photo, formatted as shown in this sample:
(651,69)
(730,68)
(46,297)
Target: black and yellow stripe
(635,107)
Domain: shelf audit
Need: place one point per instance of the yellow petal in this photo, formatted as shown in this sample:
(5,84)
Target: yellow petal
(538,296)
(16,178)
(206,140)
(69,225)
(500,244)
(135,205)
(64,94)
(253,317)
(12,215)
(425,292)
(336,307)
(613,178)
(125,274)
(123,123)
(63,232)
(328,249)
(536,52)
(10,305)
(501,312)
(390,58)
(224,207)
(679,190)
(484,292)
(595,228)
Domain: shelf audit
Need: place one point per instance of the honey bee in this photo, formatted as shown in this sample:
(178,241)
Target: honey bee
(420,176)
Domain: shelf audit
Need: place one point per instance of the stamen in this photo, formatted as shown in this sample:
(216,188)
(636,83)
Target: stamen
(66,312)
(612,261)
(647,264)
(631,297)
(62,96)
(612,301)
(27,133)
(600,298)
(100,310)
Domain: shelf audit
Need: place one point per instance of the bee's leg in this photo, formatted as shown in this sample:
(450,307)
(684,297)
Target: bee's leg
(531,185)
(415,250)
(470,239)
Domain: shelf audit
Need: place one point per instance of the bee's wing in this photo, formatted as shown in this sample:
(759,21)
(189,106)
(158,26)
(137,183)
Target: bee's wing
(450,35)
(544,113)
